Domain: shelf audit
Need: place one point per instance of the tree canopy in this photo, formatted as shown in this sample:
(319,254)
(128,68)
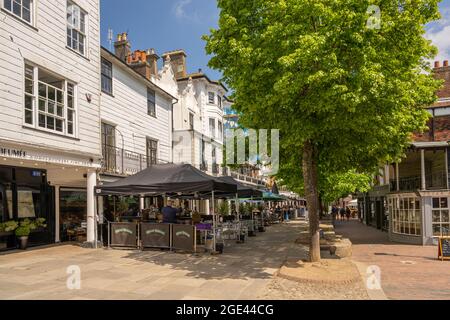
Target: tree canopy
(345,96)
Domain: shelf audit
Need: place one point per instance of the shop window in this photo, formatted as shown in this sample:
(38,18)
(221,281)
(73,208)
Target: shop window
(28,203)
(441,217)
(406,215)
(73,215)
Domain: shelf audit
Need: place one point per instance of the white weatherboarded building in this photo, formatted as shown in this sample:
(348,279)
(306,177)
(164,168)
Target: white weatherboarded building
(50,146)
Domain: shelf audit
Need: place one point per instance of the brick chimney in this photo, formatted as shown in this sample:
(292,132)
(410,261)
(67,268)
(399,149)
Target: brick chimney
(152,60)
(122,46)
(138,62)
(178,62)
(443,73)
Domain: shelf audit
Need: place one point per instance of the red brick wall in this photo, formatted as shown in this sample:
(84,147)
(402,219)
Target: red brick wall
(442,128)
(443,73)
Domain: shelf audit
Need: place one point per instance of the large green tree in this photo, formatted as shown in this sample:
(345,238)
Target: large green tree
(345,94)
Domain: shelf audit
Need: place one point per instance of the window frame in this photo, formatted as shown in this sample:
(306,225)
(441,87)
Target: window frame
(219,102)
(36,98)
(151,103)
(212,95)
(20,18)
(212,132)
(406,217)
(440,209)
(151,151)
(110,78)
(191,121)
(79,31)
(220,129)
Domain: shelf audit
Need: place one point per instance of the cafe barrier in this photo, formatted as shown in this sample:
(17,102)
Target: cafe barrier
(156,235)
(123,234)
(184,238)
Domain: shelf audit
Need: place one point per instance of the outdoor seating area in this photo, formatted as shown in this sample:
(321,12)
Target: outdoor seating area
(190,231)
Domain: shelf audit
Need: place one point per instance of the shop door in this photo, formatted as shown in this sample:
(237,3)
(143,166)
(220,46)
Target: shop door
(379,214)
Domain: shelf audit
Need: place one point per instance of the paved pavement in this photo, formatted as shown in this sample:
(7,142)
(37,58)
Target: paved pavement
(243,272)
(408,272)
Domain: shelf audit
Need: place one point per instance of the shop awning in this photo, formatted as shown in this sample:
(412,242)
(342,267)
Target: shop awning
(167,179)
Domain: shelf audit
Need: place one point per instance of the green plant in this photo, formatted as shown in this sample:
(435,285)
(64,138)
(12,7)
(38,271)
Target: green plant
(23,231)
(24,227)
(9,226)
(224,208)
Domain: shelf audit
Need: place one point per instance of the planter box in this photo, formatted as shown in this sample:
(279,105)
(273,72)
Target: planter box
(6,234)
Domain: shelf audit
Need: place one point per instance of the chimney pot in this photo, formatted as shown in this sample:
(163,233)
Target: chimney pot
(445,63)
(124,36)
(119,37)
(200,70)
(437,64)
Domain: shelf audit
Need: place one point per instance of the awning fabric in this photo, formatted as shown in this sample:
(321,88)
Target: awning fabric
(167,179)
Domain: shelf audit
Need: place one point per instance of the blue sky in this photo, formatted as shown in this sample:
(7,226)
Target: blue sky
(164,25)
(179,24)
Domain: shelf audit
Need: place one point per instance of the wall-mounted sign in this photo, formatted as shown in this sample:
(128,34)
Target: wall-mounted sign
(47,157)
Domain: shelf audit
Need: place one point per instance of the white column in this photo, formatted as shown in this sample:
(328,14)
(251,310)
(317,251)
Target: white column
(422,167)
(387,175)
(57,215)
(91,221)
(397,177)
(141,203)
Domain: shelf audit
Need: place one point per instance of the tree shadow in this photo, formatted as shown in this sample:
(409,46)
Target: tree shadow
(258,258)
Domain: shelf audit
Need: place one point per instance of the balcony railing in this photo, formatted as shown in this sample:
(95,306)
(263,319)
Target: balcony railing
(435,181)
(245,178)
(124,162)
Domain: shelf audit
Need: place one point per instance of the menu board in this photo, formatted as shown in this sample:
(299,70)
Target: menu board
(123,234)
(183,237)
(155,235)
(444,248)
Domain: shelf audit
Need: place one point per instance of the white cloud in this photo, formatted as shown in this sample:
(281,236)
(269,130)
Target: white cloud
(179,8)
(441,39)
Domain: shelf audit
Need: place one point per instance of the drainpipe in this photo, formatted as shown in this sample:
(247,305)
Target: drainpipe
(423,173)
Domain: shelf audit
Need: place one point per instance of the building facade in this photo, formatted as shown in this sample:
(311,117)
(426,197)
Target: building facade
(411,199)
(49,115)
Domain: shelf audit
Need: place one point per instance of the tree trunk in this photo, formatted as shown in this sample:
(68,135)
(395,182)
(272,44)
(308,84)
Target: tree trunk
(312,198)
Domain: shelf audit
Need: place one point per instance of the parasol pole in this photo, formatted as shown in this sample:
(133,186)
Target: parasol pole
(214,222)
(237,207)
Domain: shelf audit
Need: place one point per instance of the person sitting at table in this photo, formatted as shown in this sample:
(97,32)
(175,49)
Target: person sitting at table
(169,213)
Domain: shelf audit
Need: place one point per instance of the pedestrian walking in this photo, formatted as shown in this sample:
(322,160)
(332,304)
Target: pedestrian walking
(342,214)
(348,213)
(334,214)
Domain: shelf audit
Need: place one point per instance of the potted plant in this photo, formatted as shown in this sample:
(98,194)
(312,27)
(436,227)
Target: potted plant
(24,229)
(7,228)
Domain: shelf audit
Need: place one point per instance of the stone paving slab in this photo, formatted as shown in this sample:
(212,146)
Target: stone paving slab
(243,271)
(408,272)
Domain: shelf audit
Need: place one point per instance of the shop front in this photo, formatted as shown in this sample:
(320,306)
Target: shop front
(26,194)
(49,184)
